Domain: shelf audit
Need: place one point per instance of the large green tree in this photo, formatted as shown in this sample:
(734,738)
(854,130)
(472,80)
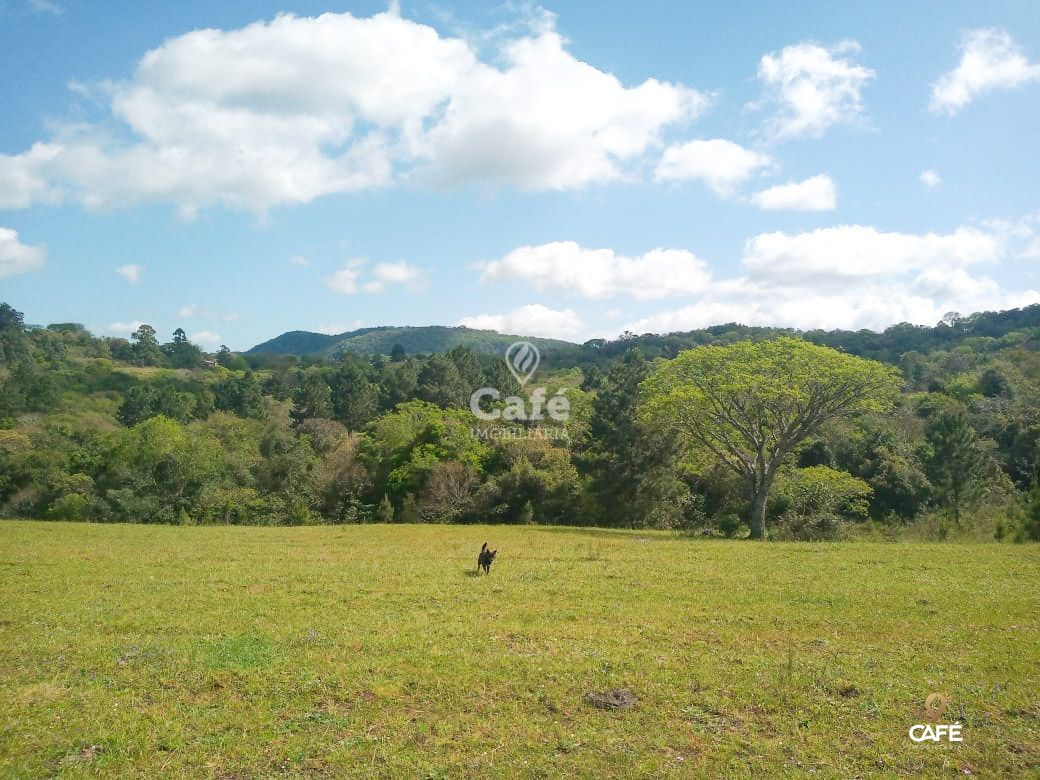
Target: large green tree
(146,350)
(751,404)
(181,352)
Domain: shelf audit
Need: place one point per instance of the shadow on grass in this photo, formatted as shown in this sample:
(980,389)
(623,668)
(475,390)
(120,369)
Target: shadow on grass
(470,573)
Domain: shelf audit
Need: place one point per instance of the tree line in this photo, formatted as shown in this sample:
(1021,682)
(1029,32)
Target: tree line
(775,435)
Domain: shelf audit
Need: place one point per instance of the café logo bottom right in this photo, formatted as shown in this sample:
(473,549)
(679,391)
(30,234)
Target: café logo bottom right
(933,731)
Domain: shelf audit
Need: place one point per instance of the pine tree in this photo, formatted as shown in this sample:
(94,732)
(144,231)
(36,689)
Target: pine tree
(631,468)
(441,384)
(355,398)
(312,397)
(956,466)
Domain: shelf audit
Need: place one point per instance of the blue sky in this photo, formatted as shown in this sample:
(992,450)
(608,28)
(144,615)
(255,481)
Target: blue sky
(573,170)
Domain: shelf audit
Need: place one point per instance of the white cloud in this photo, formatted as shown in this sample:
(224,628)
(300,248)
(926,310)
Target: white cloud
(204,312)
(23,177)
(811,87)
(857,251)
(46,7)
(990,59)
(852,277)
(299,260)
(289,110)
(564,123)
(132,272)
(816,193)
(345,280)
(721,164)
(1020,234)
(531,320)
(395,273)
(930,179)
(16,257)
(600,273)
(874,307)
(348,280)
(205,338)
(123,328)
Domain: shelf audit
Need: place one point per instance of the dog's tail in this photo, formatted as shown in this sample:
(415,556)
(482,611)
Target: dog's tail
(483,547)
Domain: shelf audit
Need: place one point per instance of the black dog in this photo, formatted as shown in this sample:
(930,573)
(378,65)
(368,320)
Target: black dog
(485,558)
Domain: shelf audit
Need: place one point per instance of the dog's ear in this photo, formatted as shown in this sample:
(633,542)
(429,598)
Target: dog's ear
(494,553)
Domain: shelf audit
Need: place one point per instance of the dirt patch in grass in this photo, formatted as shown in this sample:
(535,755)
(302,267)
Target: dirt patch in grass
(617,699)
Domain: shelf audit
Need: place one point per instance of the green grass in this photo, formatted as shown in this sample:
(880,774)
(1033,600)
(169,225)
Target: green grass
(374,650)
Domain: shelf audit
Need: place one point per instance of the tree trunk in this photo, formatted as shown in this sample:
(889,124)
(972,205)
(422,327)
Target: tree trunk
(758,513)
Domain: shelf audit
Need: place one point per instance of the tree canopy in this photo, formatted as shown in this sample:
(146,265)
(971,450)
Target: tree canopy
(751,404)
(116,429)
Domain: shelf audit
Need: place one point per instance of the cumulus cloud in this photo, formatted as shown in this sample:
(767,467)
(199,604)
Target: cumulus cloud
(816,193)
(123,328)
(24,177)
(205,338)
(16,257)
(811,87)
(395,273)
(853,277)
(858,251)
(289,110)
(351,278)
(874,307)
(345,280)
(531,320)
(721,164)
(1022,234)
(990,60)
(930,179)
(193,310)
(600,273)
(132,272)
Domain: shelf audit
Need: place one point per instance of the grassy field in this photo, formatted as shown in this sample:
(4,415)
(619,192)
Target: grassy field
(375,650)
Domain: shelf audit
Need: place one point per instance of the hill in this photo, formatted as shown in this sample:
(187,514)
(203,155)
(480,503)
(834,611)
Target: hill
(888,346)
(415,340)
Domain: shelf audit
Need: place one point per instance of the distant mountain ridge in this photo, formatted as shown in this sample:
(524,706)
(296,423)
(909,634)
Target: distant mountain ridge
(414,339)
(1022,326)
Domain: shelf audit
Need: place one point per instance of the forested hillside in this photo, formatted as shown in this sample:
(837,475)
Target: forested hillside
(383,340)
(889,346)
(140,430)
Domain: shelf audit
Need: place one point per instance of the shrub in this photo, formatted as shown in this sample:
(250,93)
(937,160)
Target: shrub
(729,525)
(816,527)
